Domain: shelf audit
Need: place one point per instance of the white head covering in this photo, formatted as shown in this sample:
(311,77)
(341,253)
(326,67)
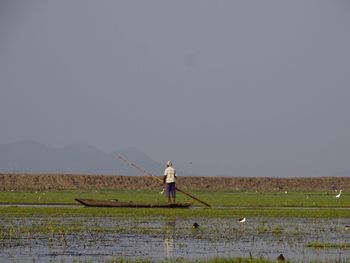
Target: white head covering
(168,163)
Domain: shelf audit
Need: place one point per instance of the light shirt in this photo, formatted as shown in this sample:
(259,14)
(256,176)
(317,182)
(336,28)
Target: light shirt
(170,174)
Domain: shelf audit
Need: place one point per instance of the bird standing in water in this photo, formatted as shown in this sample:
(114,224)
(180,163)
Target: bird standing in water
(242,220)
(338,195)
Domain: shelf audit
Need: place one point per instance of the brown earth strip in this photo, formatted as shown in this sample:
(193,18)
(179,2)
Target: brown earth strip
(67,181)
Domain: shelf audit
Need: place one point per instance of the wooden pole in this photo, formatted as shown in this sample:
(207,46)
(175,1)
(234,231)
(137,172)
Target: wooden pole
(160,180)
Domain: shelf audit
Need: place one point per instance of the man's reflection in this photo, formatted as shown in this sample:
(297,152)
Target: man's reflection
(169,232)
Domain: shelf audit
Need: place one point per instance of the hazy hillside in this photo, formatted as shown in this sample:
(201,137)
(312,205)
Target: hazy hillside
(33,157)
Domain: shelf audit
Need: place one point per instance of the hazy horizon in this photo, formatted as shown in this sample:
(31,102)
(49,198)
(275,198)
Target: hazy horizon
(246,88)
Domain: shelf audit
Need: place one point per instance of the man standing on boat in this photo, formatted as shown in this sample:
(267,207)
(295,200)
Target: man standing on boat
(169,181)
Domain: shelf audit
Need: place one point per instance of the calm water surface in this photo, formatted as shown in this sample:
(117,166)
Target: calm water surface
(158,239)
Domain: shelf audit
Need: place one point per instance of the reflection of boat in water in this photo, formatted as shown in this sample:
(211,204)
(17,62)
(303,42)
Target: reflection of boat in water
(116,203)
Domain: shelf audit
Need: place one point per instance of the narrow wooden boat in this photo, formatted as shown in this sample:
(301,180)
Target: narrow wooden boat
(116,203)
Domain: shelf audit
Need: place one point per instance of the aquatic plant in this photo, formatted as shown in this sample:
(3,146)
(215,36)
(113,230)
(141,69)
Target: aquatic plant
(220,198)
(318,244)
(182,260)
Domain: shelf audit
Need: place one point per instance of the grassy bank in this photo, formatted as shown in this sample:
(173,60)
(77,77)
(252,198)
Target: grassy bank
(218,199)
(225,204)
(17,211)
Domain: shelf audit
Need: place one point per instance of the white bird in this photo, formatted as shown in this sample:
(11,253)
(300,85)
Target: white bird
(242,220)
(338,195)
(162,192)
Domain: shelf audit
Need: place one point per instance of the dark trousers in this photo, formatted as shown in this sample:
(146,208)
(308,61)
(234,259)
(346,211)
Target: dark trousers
(171,190)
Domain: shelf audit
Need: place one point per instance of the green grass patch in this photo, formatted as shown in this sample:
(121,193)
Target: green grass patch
(18,211)
(323,245)
(181,260)
(241,199)
(224,204)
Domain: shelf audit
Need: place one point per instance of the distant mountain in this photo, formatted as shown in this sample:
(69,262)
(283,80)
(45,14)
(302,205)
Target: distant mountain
(33,157)
(138,158)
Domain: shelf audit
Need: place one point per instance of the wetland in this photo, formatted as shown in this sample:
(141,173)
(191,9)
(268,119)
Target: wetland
(68,239)
(303,226)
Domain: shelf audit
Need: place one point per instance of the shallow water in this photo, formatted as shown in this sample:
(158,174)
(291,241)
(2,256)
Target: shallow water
(159,239)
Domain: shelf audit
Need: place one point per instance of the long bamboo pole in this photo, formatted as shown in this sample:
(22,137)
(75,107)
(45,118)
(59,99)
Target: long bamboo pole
(160,180)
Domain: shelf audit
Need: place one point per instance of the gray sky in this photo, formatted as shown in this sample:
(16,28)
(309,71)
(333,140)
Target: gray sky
(238,88)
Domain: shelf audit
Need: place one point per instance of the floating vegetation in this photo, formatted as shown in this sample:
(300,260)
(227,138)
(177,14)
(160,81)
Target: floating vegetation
(182,260)
(222,199)
(317,244)
(76,233)
(168,240)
